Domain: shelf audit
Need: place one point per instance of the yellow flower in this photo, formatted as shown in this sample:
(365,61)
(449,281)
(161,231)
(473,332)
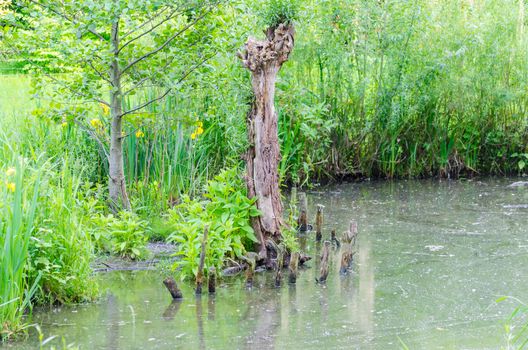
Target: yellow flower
(199,131)
(11,186)
(10,171)
(106,109)
(199,123)
(193,135)
(96,123)
(139,134)
(64,124)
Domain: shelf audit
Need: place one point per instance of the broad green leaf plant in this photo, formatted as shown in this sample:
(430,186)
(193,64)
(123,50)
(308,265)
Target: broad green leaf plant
(226,211)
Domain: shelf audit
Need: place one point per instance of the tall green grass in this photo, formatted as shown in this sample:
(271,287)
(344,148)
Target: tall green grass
(17,216)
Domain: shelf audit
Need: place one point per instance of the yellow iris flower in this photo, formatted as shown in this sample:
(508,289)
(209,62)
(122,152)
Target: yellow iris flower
(139,134)
(106,109)
(96,123)
(199,130)
(11,186)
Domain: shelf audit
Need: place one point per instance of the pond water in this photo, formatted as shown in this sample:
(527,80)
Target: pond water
(432,259)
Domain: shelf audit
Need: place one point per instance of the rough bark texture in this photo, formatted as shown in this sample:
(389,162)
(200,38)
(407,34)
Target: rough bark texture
(319,223)
(325,262)
(172,287)
(264,60)
(116,182)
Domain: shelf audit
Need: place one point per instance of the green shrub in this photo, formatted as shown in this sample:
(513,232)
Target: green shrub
(123,235)
(226,211)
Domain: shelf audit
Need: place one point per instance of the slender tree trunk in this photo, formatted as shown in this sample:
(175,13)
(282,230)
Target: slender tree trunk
(116,182)
(264,60)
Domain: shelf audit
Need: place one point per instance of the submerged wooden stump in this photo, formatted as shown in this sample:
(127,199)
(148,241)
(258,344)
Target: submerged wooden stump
(351,234)
(250,271)
(346,258)
(319,223)
(334,239)
(303,213)
(199,274)
(325,262)
(293,267)
(172,287)
(349,241)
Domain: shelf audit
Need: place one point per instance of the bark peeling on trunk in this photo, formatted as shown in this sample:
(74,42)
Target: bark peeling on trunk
(264,60)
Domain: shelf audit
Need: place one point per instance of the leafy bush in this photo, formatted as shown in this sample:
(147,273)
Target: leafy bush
(226,211)
(123,235)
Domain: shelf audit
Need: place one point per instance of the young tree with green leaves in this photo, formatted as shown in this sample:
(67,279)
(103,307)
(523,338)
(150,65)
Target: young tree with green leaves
(107,52)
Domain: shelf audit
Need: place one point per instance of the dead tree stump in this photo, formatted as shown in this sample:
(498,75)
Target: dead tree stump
(350,235)
(334,239)
(250,271)
(293,267)
(302,221)
(264,60)
(349,241)
(200,274)
(319,223)
(172,287)
(346,258)
(325,262)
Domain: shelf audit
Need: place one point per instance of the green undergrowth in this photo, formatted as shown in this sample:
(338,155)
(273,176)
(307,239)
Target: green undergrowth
(225,211)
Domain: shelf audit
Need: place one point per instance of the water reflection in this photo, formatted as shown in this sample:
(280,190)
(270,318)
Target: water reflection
(266,319)
(171,310)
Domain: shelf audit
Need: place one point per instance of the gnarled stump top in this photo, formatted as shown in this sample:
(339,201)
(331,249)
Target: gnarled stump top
(275,49)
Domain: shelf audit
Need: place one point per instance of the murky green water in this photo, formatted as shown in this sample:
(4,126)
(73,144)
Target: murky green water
(433,258)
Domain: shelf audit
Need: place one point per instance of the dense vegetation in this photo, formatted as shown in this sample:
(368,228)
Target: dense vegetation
(373,89)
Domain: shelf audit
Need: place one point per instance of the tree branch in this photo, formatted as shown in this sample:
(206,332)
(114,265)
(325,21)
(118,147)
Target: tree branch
(148,103)
(185,75)
(168,18)
(167,42)
(158,13)
(69,19)
(99,73)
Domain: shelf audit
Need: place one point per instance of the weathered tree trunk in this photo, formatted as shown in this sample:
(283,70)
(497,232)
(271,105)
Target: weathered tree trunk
(116,182)
(264,60)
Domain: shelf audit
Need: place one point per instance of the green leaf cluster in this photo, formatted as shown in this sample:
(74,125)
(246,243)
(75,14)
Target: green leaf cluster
(226,211)
(124,235)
